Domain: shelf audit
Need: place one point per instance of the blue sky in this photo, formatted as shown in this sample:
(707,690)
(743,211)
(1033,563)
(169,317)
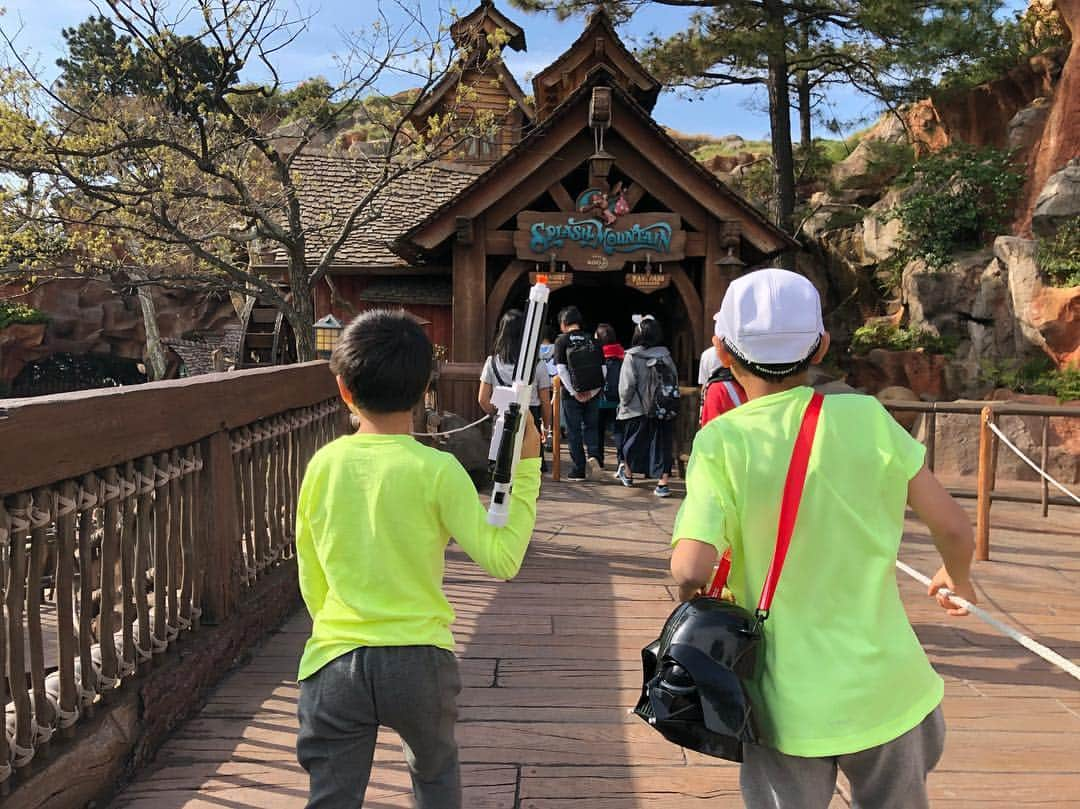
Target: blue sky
(729,110)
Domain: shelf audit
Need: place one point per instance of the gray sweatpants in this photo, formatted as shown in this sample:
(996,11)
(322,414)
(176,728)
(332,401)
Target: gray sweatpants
(411,689)
(890,776)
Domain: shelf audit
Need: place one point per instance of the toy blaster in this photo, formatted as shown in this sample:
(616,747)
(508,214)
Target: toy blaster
(513,402)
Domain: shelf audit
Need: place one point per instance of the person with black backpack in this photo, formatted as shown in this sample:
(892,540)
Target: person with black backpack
(648,406)
(609,394)
(580,363)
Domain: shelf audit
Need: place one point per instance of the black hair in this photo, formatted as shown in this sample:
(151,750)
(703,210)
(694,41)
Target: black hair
(772,372)
(605,333)
(570,316)
(648,333)
(509,335)
(385,359)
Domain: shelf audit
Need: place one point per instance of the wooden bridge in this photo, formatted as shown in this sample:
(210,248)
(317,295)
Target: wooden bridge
(189,696)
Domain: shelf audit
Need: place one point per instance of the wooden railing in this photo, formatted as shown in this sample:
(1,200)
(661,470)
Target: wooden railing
(129,517)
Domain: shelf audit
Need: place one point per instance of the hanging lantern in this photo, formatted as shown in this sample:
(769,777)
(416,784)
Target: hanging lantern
(327,334)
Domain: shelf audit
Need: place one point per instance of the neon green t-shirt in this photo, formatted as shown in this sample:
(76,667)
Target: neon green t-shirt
(843,669)
(373,519)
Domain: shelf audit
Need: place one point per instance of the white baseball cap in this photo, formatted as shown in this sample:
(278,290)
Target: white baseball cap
(771,317)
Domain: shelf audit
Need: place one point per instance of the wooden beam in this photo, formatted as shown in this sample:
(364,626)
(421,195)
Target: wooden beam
(50,435)
(633,195)
(690,298)
(659,185)
(561,196)
(713,281)
(501,291)
(695,244)
(515,197)
(669,165)
(500,243)
(470,296)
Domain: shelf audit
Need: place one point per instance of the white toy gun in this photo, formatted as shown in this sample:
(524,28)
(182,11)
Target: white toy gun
(513,402)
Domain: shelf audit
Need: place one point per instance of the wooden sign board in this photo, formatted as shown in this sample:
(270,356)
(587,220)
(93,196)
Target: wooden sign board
(648,281)
(556,280)
(587,242)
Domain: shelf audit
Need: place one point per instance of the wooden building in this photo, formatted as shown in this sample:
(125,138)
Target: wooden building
(581,181)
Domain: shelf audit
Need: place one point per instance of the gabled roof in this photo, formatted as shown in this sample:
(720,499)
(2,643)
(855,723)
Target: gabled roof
(329,185)
(450,81)
(487,17)
(766,237)
(602,43)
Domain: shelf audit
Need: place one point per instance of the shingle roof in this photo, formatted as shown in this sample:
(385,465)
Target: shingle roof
(197,352)
(330,184)
(422,289)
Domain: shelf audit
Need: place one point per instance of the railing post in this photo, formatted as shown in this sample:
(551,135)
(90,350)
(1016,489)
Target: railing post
(556,429)
(985,485)
(931,437)
(1044,461)
(222,517)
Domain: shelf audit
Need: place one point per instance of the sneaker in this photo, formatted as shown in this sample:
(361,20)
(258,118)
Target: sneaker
(623,477)
(593,469)
(576,476)
(620,471)
(662,491)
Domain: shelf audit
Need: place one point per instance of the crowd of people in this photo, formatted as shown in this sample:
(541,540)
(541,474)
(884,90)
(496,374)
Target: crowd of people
(626,396)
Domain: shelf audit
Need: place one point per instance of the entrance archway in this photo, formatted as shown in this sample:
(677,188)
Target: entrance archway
(604,297)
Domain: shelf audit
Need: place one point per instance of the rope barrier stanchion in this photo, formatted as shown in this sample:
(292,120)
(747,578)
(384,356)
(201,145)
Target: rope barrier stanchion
(985,485)
(556,428)
(1045,652)
(1001,436)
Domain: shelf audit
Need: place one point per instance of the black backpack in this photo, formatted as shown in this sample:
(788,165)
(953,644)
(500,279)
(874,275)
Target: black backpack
(611,379)
(660,392)
(585,361)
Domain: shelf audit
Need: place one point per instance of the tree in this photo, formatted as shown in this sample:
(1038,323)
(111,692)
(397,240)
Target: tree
(161,167)
(882,47)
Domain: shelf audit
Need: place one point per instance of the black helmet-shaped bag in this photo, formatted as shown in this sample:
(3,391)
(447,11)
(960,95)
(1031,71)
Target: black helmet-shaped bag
(694,689)
(695,677)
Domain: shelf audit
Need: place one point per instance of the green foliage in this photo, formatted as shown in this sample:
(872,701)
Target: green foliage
(12,313)
(1025,35)
(728,148)
(897,338)
(1059,256)
(888,160)
(1037,377)
(958,197)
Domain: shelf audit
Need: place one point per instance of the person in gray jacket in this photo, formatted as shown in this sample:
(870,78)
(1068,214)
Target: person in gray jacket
(647,442)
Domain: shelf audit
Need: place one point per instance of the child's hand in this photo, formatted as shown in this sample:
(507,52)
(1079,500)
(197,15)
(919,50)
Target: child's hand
(961,587)
(530,443)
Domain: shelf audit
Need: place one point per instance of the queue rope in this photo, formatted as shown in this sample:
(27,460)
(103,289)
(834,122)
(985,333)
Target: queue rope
(1045,652)
(994,428)
(476,423)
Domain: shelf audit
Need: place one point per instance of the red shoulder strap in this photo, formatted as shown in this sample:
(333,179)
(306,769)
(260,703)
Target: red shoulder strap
(789,508)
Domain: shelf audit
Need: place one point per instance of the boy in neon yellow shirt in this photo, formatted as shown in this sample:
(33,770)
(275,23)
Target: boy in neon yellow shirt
(375,513)
(845,683)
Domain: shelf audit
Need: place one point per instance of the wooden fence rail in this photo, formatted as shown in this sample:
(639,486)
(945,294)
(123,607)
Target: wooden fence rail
(129,517)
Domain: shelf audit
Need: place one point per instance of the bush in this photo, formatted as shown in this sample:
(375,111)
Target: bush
(958,198)
(1037,377)
(1059,257)
(895,338)
(12,313)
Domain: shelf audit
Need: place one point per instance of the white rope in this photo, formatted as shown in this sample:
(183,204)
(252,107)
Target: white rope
(451,432)
(1046,653)
(1028,460)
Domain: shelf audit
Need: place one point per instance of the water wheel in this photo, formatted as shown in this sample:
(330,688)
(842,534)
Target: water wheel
(267,337)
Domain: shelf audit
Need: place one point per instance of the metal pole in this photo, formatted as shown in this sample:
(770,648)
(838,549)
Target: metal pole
(985,485)
(556,428)
(1042,465)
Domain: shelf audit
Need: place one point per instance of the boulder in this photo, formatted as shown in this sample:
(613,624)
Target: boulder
(921,372)
(881,232)
(857,169)
(1027,125)
(942,301)
(1059,200)
(957,442)
(1056,314)
(18,342)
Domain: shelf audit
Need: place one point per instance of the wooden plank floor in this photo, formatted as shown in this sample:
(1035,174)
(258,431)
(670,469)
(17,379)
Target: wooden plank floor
(550,665)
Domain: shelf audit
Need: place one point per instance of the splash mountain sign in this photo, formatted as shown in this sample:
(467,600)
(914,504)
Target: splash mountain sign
(594,243)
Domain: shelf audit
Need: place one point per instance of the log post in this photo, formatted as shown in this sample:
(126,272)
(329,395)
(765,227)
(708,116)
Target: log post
(985,485)
(1044,460)
(220,515)
(470,292)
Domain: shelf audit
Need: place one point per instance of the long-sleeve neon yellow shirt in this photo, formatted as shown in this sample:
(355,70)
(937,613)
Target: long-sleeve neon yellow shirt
(374,517)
